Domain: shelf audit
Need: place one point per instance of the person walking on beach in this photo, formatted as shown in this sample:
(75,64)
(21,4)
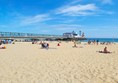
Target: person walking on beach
(97,42)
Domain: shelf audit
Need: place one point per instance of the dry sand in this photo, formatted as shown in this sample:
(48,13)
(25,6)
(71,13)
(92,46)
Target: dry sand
(27,63)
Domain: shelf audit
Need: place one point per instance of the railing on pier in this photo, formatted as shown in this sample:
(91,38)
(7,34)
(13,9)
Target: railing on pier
(16,34)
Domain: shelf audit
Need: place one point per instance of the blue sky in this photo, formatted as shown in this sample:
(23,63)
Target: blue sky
(96,18)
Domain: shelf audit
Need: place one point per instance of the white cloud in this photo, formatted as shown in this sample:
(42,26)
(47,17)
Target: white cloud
(106,1)
(75,1)
(66,27)
(78,10)
(35,19)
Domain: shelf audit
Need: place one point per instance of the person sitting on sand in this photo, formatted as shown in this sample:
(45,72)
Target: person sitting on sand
(75,44)
(105,51)
(89,42)
(2,47)
(45,45)
(58,44)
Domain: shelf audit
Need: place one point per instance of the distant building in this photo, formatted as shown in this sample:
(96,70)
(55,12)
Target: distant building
(71,35)
(80,33)
(83,35)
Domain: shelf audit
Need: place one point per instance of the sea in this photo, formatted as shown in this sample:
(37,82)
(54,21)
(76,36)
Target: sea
(102,39)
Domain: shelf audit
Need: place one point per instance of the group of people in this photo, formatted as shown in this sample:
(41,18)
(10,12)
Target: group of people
(96,42)
(93,42)
(46,45)
(105,43)
(103,51)
(7,41)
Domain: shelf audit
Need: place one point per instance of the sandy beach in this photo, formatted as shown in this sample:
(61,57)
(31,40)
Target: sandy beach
(24,62)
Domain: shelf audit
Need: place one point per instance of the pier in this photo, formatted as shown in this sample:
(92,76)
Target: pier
(31,36)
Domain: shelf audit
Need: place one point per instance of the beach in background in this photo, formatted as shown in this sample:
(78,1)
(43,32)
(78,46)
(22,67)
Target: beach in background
(24,62)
